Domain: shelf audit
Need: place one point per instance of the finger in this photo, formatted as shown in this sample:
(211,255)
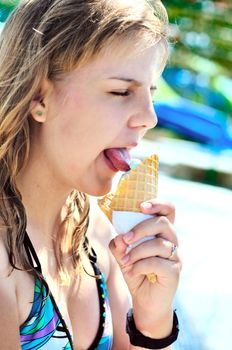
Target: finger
(118,247)
(156,247)
(155,226)
(162,268)
(159,208)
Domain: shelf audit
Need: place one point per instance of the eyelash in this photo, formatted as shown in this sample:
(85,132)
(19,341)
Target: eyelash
(122,94)
(127,93)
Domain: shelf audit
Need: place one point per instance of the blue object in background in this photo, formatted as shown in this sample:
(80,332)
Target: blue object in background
(196,87)
(195,121)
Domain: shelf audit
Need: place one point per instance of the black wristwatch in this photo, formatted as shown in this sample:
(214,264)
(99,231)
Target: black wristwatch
(138,339)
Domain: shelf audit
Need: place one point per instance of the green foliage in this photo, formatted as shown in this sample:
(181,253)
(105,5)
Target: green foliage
(201,48)
(6,7)
(203,29)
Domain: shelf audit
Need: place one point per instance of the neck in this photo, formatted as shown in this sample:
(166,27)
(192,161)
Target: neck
(43,198)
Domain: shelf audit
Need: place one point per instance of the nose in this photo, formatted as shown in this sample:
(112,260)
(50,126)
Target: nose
(145,117)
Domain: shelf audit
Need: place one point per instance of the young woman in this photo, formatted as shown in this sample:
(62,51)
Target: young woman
(76,83)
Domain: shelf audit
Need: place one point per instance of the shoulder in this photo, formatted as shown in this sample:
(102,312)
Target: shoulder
(7,275)
(8,299)
(5,267)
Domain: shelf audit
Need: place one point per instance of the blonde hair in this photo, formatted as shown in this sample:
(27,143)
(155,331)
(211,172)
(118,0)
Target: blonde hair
(44,39)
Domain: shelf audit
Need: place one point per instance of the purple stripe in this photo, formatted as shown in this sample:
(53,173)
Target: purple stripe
(50,327)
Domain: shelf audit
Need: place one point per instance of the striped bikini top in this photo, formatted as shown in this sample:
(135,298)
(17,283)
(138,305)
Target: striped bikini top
(45,327)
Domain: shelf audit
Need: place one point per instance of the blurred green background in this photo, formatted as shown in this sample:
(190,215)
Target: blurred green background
(6,6)
(201,36)
(194,100)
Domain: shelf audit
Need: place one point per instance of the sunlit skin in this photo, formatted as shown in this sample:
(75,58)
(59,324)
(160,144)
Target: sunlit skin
(107,103)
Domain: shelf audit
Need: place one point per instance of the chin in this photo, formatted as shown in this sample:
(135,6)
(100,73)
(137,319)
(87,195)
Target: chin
(99,190)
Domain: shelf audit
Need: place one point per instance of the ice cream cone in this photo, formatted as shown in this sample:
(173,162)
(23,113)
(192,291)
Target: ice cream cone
(136,186)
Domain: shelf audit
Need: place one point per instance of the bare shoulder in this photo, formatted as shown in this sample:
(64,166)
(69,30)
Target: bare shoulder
(7,274)
(8,299)
(100,233)
(5,267)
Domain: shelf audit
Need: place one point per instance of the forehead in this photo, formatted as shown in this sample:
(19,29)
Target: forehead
(128,52)
(124,58)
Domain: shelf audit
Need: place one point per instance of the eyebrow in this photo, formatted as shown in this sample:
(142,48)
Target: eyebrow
(132,81)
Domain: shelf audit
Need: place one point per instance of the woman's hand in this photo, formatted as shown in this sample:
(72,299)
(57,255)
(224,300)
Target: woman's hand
(152,302)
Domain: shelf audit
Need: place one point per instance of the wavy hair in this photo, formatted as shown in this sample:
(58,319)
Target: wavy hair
(42,40)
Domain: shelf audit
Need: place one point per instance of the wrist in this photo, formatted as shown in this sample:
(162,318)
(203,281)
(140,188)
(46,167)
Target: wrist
(141,340)
(155,326)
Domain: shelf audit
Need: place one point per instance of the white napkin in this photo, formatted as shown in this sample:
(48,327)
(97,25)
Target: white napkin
(124,221)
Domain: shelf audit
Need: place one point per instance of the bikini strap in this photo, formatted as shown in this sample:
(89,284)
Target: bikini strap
(31,253)
(90,251)
(32,257)
(101,297)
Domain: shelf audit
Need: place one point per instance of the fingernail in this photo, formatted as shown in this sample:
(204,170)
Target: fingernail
(146,205)
(125,259)
(128,236)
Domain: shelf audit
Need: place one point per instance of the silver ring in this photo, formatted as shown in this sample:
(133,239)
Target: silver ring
(173,252)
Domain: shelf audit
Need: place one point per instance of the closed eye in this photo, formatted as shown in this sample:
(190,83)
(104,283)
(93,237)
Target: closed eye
(121,93)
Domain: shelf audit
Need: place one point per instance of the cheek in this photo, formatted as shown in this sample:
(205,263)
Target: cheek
(84,121)
(68,116)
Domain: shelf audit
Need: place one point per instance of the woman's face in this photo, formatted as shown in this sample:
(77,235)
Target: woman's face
(106,104)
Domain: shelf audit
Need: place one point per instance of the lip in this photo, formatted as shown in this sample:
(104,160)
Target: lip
(108,162)
(132,145)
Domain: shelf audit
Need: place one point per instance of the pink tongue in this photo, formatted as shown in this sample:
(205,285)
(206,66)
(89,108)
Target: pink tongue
(119,157)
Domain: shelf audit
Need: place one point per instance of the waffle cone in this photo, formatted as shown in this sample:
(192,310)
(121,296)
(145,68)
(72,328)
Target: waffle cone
(137,186)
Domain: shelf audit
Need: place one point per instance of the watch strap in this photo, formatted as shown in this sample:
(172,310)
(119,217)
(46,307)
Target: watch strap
(138,339)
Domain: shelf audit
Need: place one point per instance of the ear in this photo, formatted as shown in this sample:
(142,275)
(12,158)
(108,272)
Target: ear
(39,105)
